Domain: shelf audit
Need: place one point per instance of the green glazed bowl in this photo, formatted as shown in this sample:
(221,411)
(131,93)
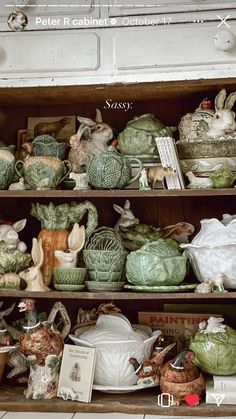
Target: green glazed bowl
(104,265)
(69,276)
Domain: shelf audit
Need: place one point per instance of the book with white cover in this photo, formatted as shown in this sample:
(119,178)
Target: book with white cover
(224,383)
(219,397)
(169,158)
(77,373)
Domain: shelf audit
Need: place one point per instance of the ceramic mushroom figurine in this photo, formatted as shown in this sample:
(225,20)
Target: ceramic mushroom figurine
(76,239)
(33,275)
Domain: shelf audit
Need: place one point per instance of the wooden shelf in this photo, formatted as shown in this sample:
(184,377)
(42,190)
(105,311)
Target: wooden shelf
(183,296)
(118,193)
(143,402)
(71,94)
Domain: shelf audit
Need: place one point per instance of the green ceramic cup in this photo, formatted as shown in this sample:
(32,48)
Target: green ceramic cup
(69,276)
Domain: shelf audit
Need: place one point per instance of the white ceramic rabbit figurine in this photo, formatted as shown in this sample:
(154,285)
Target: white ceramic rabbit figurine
(33,275)
(100,134)
(76,239)
(223,121)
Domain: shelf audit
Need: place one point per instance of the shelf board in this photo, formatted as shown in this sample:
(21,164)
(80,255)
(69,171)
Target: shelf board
(117,193)
(74,94)
(139,402)
(123,295)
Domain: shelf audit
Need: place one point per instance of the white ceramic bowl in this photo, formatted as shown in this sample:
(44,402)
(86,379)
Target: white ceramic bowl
(116,342)
(208,261)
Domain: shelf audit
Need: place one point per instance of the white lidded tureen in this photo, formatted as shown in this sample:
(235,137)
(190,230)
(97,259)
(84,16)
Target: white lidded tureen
(213,250)
(116,342)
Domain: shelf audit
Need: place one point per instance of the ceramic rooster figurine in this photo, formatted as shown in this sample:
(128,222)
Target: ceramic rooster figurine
(149,371)
(37,339)
(181,378)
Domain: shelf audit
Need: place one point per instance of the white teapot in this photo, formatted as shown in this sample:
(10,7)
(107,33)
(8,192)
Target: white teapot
(116,342)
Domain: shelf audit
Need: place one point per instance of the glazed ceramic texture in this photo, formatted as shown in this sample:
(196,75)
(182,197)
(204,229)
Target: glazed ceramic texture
(7,163)
(12,261)
(104,265)
(138,138)
(72,276)
(45,145)
(156,263)
(116,343)
(211,148)
(111,170)
(213,250)
(42,173)
(204,166)
(215,352)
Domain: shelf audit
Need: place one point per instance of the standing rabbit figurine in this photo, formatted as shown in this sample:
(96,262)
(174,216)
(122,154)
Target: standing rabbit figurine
(76,239)
(98,134)
(33,275)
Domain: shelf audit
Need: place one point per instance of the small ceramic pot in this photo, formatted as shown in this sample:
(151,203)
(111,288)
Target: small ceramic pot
(71,276)
(7,163)
(42,173)
(104,265)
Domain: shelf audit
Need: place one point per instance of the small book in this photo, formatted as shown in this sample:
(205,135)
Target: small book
(169,158)
(77,373)
(219,397)
(224,383)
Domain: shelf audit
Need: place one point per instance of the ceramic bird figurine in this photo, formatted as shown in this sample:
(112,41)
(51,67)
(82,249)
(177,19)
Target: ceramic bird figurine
(180,377)
(148,371)
(37,339)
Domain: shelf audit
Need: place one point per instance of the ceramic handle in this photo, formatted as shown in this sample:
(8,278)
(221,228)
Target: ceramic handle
(224,40)
(16,167)
(133,179)
(68,167)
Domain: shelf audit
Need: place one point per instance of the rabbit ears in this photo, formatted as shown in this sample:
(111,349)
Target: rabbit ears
(90,122)
(119,209)
(76,238)
(37,252)
(222,103)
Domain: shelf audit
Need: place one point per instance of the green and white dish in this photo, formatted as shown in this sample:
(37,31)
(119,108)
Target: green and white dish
(66,287)
(98,286)
(161,288)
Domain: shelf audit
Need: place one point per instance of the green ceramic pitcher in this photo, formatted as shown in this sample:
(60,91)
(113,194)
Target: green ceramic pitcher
(111,170)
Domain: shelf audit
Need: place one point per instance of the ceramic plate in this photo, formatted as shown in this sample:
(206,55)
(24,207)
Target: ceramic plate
(161,288)
(115,389)
(98,286)
(65,287)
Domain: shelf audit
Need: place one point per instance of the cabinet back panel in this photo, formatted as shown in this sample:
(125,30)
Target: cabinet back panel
(168,110)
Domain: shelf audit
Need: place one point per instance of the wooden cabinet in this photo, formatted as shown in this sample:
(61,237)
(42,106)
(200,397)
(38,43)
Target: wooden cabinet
(52,14)
(168,101)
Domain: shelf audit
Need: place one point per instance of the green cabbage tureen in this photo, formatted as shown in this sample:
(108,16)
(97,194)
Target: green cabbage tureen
(215,352)
(138,138)
(156,263)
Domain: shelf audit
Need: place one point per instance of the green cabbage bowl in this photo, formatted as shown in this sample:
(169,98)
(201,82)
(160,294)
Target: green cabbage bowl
(156,264)
(215,353)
